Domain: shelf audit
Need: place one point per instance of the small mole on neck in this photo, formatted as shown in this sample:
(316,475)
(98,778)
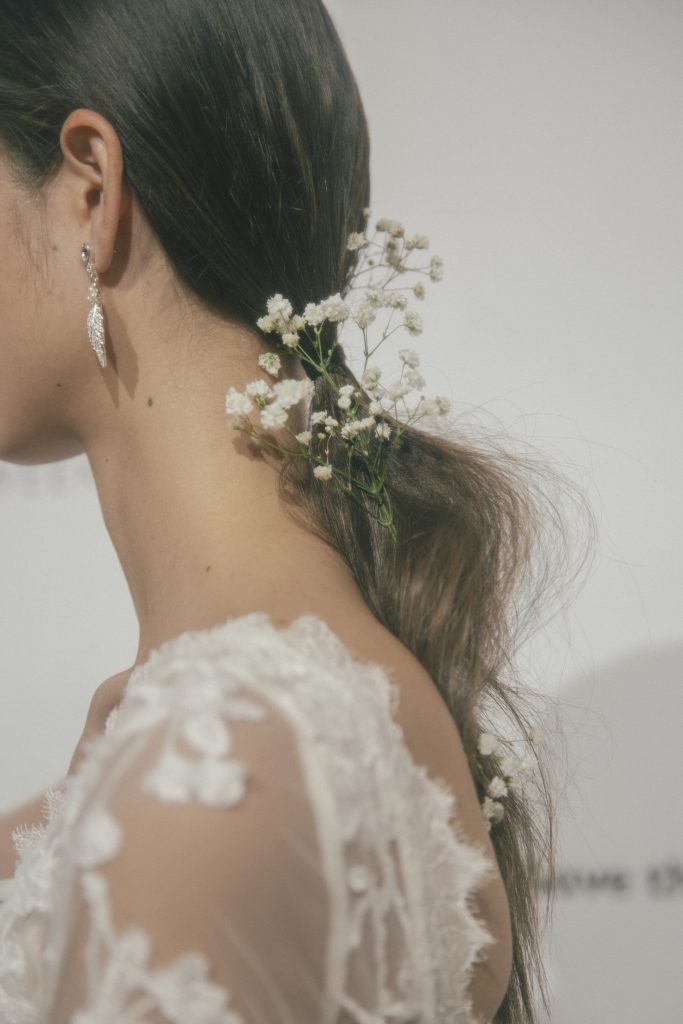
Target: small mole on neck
(150,401)
(207,568)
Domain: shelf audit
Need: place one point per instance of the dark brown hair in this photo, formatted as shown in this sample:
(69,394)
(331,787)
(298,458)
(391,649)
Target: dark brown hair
(258,172)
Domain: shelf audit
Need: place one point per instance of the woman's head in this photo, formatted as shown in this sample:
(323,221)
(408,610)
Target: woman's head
(236,143)
(243,167)
(45,376)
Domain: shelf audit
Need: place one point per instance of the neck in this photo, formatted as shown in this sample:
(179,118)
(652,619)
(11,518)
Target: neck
(195,518)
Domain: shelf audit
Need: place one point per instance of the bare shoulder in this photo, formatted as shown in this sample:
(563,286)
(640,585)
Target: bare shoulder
(429,728)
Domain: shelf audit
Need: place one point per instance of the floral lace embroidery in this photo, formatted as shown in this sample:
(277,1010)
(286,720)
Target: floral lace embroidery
(182,991)
(404,938)
(214,780)
(125,988)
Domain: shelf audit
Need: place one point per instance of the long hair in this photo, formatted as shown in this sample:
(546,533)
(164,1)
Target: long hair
(258,172)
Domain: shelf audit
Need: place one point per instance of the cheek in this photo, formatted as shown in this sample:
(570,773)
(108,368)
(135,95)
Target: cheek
(43,305)
(19,290)
(35,372)
(20,311)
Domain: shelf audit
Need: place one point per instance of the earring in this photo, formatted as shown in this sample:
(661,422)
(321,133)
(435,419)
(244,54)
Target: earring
(95,321)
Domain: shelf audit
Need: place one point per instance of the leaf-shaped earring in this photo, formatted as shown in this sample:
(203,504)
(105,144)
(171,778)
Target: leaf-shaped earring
(95,321)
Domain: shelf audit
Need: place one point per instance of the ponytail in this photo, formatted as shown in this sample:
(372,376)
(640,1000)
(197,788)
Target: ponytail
(470,569)
(246,146)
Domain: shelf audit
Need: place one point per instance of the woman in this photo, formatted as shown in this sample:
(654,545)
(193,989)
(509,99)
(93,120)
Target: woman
(282,819)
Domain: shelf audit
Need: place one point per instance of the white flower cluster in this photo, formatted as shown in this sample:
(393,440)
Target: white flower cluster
(273,401)
(356,431)
(510,771)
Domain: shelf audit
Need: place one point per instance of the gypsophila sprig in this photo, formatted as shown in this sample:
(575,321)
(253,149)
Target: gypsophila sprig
(511,770)
(369,437)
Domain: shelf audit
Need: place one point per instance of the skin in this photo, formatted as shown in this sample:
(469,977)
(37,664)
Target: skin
(190,504)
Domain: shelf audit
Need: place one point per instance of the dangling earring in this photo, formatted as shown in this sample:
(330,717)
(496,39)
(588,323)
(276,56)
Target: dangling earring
(95,320)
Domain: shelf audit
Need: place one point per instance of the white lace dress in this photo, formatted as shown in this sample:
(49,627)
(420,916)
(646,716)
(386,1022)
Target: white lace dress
(248,842)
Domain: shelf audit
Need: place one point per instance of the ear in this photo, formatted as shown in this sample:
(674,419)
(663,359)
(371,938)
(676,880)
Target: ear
(94,159)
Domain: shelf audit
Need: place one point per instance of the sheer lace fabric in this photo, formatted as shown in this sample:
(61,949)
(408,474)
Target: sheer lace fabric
(250,842)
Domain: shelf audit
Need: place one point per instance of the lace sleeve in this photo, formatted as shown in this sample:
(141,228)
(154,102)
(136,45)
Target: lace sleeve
(197,892)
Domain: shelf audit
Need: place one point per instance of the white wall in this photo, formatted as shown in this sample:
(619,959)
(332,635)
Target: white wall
(540,146)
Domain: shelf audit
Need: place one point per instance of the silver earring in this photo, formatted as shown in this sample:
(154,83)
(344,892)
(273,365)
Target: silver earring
(95,321)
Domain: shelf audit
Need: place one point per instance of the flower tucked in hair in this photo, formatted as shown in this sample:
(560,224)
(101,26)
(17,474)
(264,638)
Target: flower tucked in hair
(510,770)
(369,437)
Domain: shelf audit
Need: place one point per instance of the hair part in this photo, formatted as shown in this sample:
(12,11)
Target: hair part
(257,173)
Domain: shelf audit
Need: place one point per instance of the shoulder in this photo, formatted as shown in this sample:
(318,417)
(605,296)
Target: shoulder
(196,861)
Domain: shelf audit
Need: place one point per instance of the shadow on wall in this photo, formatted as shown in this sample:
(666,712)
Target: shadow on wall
(615,950)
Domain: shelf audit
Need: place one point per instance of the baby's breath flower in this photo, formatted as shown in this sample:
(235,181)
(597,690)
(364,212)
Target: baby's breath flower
(497,787)
(273,416)
(392,253)
(394,227)
(374,297)
(334,308)
(498,811)
(237,404)
(280,317)
(417,242)
(535,736)
(436,268)
(509,768)
(362,313)
(313,314)
(258,389)
(371,377)
(443,404)
(266,324)
(413,322)
(415,379)
(291,391)
(279,306)
(493,811)
(270,361)
(352,428)
(399,390)
(349,429)
(409,356)
(356,240)
(488,743)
